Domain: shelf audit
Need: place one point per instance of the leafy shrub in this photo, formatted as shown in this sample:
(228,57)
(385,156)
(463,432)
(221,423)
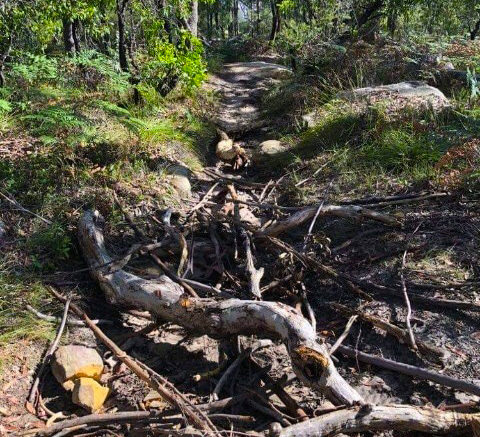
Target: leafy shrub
(53,119)
(96,71)
(32,69)
(5,106)
(169,65)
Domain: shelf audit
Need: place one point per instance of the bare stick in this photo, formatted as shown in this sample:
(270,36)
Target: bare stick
(414,371)
(102,419)
(407,303)
(315,217)
(395,200)
(32,397)
(402,335)
(12,201)
(163,387)
(381,418)
(203,200)
(255,275)
(344,334)
(70,322)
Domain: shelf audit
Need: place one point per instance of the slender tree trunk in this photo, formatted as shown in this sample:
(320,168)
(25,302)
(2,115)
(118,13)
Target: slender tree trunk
(68,40)
(193,19)
(474,31)
(258,17)
(122,43)
(235,17)
(76,41)
(3,59)
(276,19)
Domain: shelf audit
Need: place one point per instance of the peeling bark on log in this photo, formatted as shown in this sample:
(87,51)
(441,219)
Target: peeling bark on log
(166,300)
(346,211)
(390,417)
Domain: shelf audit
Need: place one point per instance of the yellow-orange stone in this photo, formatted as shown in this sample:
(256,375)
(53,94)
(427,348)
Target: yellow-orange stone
(89,394)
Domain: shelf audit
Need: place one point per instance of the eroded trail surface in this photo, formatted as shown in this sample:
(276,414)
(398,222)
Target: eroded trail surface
(241,86)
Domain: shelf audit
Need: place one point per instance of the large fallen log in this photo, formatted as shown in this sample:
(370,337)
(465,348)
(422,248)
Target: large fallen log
(166,300)
(389,417)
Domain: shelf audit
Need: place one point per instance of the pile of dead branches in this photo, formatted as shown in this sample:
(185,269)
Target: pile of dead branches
(215,259)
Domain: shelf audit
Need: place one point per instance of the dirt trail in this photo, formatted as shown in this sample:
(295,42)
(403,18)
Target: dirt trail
(241,87)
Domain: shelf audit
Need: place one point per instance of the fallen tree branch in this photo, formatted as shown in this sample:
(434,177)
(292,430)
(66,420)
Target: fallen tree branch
(381,418)
(165,299)
(414,371)
(347,211)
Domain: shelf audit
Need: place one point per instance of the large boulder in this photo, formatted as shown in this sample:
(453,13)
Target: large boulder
(417,96)
(268,149)
(74,361)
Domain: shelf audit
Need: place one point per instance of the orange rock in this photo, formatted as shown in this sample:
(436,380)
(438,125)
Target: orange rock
(89,394)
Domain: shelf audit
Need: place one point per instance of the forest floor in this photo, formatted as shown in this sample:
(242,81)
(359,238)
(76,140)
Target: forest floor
(439,236)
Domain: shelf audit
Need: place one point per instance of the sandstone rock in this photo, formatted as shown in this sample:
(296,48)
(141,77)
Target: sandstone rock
(89,394)
(398,96)
(179,179)
(182,185)
(268,149)
(75,361)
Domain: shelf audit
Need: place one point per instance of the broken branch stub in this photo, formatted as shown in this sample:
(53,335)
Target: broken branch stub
(166,300)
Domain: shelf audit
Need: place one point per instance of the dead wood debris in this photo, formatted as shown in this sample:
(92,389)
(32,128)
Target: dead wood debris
(228,313)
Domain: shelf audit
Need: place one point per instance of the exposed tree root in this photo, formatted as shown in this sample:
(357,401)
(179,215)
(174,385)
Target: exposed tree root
(167,300)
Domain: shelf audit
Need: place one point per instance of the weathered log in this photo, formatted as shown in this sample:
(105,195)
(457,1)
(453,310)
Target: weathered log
(344,211)
(166,300)
(390,417)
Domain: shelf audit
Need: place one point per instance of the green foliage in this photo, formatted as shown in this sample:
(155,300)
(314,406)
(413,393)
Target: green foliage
(400,149)
(5,106)
(33,69)
(168,64)
(97,71)
(49,246)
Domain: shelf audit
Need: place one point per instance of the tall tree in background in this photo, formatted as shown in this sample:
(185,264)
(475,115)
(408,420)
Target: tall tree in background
(122,39)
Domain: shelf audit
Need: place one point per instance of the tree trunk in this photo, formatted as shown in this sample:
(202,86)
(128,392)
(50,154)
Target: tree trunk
(193,19)
(276,19)
(76,41)
(68,39)
(167,300)
(474,31)
(122,43)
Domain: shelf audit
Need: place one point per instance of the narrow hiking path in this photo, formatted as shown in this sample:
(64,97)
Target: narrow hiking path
(241,87)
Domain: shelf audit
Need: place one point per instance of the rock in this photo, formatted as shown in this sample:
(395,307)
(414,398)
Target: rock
(309,119)
(89,394)
(267,149)
(179,179)
(182,185)
(398,96)
(153,399)
(75,361)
